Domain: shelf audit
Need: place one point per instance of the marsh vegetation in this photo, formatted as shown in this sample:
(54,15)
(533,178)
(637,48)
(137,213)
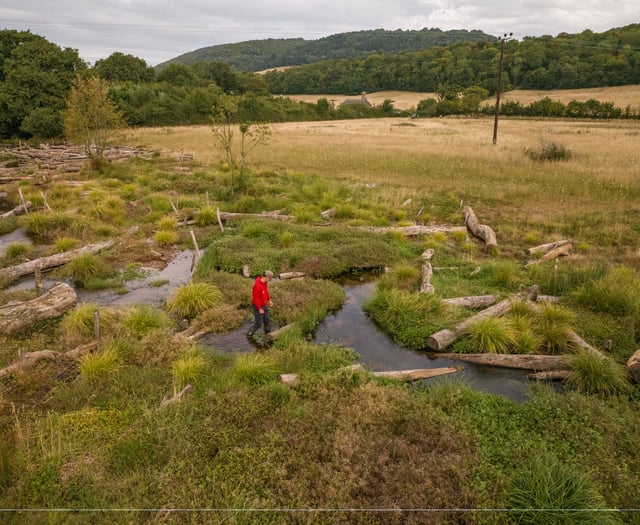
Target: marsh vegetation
(90,433)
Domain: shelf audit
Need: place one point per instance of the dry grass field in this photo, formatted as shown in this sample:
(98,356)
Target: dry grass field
(621,96)
(454,159)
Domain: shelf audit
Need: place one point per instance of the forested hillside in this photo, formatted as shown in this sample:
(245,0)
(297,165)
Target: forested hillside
(257,55)
(567,61)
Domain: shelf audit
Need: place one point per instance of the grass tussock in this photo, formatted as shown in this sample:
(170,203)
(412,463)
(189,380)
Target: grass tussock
(593,373)
(547,492)
(193,299)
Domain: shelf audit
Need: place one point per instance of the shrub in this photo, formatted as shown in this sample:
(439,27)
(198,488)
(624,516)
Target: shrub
(593,373)
(568,496)
(616,293)
(194,298)
(551,151)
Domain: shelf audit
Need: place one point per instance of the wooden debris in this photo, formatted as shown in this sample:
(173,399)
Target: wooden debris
(544,248)
(537,362)
(481,231)
(442,339)
(27,360)
(17,315)
(413,231)
(12,273)
(291,275)
(166,400)
(471,301)
(427,272)
(82,350)
(278,331)
(418,373)
(550,375)
(560,251)
(327,214)
(633,364)
(18,210)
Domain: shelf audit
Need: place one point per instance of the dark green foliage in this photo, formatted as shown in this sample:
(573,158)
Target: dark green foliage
(256,55)
(551,151)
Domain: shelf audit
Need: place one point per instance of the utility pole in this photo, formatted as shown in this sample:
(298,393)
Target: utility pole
(502,39)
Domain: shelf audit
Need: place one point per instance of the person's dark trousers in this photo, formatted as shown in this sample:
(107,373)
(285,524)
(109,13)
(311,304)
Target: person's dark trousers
(260,320)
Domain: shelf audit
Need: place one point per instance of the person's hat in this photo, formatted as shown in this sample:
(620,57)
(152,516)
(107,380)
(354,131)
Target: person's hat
(268,273)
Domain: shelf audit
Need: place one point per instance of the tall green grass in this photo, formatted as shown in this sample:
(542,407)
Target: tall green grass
(192,299)
(593,373)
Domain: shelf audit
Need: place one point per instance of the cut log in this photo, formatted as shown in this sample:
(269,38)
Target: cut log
(633,364)
(18,210)
(279,331)
(535,362)
(12,273)
(548,299)
(550,375)
(291,275)
(82,350)
(552,254)
(427,272)
(440,340)
(580,343)
(471,301)
(413,231)
(408,375)
(263,215)
(17,315)
(544,248)
(418,373)
(481,231)
(28,360)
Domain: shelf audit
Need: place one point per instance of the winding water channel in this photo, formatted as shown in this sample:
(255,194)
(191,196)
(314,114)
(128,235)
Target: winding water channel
(350,327)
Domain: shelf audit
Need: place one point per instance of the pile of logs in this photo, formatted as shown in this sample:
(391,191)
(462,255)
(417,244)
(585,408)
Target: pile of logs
(60,158)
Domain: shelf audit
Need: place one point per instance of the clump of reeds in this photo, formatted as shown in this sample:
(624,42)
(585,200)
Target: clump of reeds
(192,299)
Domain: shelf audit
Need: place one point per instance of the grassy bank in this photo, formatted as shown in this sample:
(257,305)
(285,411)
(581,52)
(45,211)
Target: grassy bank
(340,446)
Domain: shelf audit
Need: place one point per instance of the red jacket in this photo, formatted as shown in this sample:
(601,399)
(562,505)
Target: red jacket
(260,296)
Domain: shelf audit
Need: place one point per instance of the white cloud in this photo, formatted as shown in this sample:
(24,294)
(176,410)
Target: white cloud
(160,30)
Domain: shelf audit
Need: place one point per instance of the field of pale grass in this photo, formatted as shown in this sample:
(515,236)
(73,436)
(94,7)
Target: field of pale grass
(621,96)
(451,158)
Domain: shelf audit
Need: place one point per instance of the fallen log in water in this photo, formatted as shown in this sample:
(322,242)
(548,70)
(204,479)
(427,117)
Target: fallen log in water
(536,362)
(17,315)
(12,273)
(407,375)
(18,210)
(443,338)
(550,375)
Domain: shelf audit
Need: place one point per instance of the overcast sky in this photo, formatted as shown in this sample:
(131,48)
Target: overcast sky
(158,30)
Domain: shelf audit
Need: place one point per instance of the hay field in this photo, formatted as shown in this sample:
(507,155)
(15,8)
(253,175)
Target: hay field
(450,158)
(621,96)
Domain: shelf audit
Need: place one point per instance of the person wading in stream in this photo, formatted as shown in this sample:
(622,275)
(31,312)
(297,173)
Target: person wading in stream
(261,302)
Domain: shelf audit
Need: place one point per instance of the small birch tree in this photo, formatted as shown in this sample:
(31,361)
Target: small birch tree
(91,116)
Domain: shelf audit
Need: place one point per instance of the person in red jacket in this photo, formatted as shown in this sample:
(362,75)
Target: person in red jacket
(261,301)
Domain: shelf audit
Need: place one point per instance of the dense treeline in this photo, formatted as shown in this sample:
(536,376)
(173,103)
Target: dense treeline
(257,55)
(36,78)
(565,62)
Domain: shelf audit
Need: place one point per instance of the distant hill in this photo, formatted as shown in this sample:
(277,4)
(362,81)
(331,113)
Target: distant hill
(258,55)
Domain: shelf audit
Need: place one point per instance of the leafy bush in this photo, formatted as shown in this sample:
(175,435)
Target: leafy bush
(551,151)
